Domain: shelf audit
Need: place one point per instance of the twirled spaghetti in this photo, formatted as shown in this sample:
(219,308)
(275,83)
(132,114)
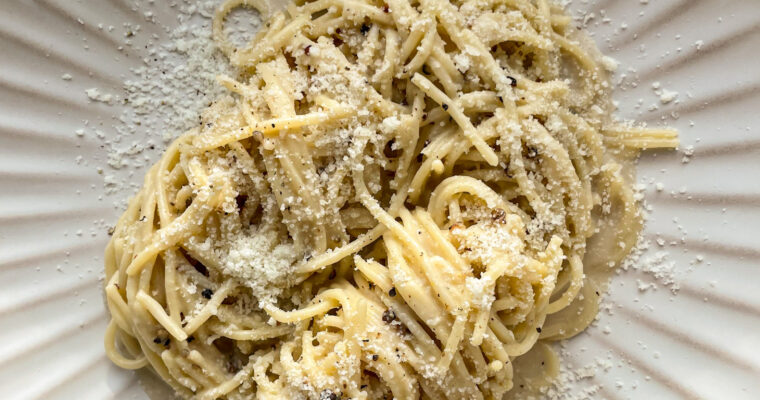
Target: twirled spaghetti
(395,200)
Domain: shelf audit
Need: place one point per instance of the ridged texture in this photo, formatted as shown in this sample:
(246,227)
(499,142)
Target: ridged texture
(699,343)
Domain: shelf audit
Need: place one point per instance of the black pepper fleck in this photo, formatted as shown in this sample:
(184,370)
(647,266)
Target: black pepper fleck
(207,293)
(389,316)
(328,394)
(392,292)
(532,152)
(499,216)
(240,200)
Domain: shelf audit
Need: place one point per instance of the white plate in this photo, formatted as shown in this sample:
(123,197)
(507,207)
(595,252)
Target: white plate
(702,342)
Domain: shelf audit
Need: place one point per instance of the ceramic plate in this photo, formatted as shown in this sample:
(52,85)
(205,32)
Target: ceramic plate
(683,322)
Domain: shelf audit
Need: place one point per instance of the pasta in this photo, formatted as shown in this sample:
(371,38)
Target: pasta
(395,200)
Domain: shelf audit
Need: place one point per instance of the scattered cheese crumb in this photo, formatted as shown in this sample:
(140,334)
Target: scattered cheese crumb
(668,96)
(95,95)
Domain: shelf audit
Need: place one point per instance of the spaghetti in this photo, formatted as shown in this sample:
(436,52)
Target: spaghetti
(396,200)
